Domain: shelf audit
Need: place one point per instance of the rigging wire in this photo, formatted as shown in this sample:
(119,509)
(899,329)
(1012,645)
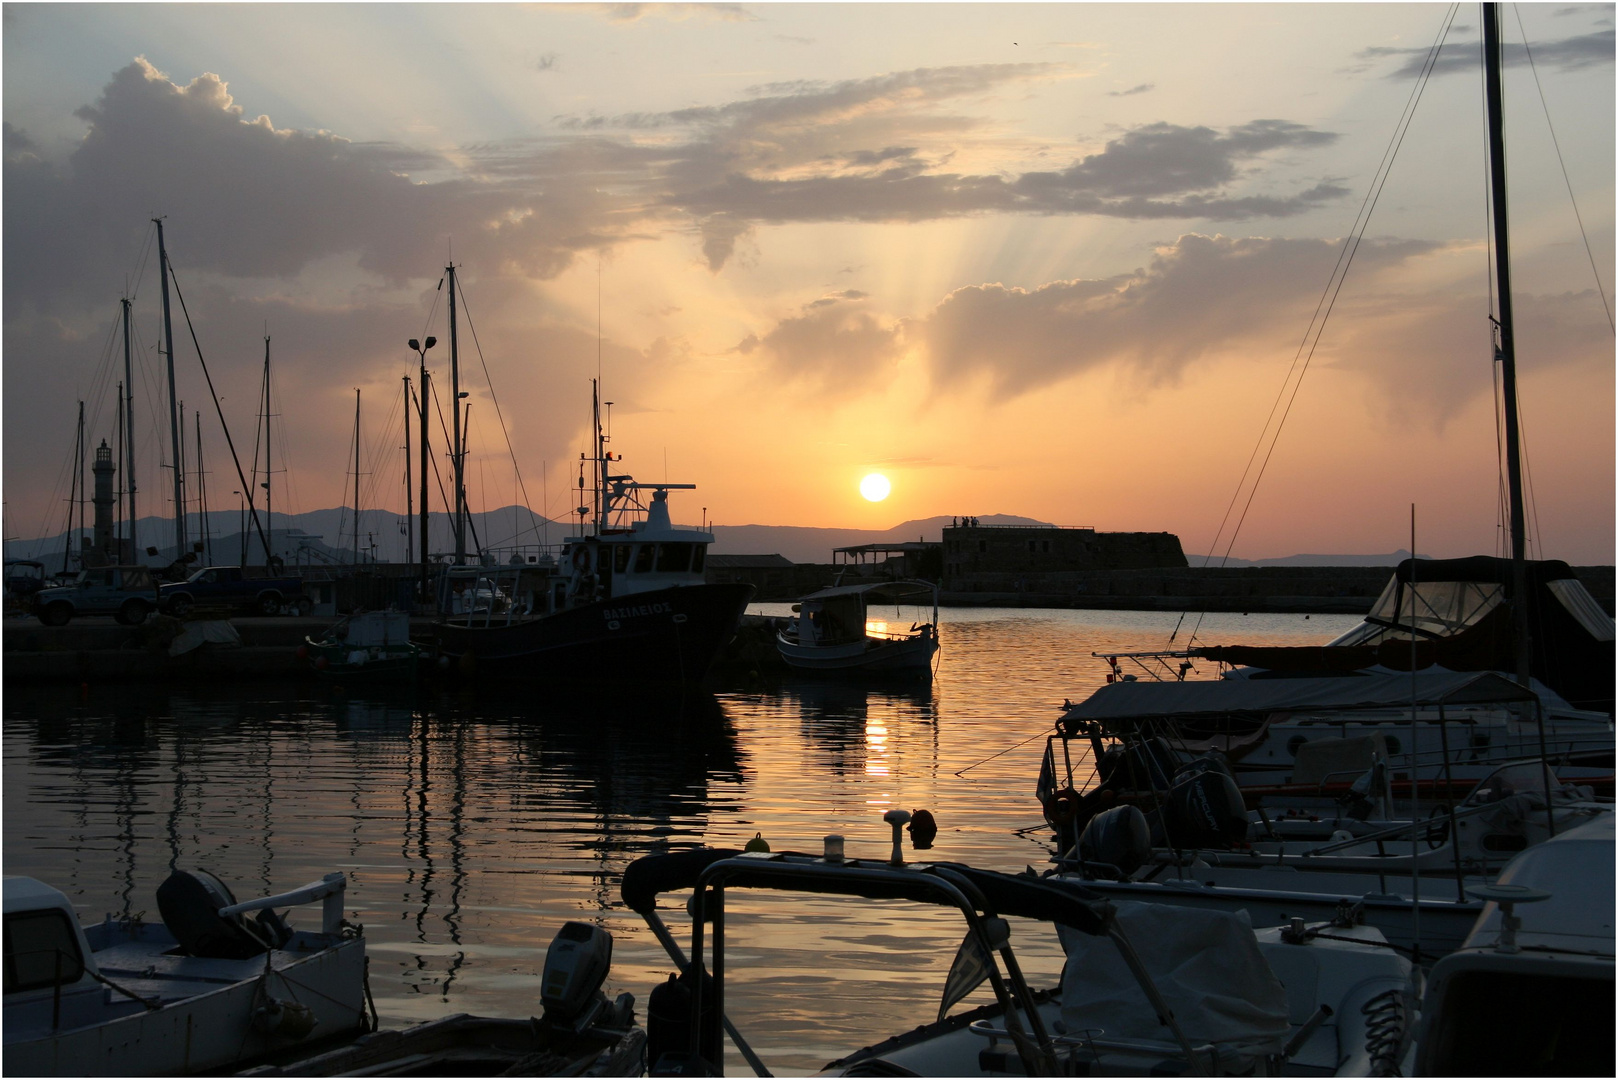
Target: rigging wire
(1601,289)
(1323,309)
(495,398)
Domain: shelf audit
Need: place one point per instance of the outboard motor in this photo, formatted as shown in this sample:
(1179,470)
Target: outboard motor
(668,1027)
(576,965)
(1142,766)
(1119,838)
(1205,808)
(189,902)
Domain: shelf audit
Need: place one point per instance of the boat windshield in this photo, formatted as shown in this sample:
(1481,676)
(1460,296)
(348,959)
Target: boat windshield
(1441,609)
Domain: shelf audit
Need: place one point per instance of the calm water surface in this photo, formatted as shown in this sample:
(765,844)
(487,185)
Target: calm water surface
(472,824)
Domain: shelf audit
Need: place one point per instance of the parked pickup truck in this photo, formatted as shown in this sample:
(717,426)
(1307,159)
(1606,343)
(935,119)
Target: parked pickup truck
(247,588)
(127,593)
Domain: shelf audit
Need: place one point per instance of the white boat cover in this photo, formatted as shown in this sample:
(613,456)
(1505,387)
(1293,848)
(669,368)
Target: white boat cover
(1213,697)
(204,632)
(1206,964)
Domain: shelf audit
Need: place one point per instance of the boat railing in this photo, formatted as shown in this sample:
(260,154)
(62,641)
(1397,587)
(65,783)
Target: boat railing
(329,889)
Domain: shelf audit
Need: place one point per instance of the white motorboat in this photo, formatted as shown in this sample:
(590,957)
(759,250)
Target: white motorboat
(1530,993)
(834,631)
(1146,990)
(205,990)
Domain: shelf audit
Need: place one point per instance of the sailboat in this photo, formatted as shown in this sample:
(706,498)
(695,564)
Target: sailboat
(1325,739)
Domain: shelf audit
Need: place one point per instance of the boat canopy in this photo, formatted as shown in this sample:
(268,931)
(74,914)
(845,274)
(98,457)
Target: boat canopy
(1458,611)
(877,592)
(1221,697)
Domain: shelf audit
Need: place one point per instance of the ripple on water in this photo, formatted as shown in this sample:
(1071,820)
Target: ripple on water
(473,824)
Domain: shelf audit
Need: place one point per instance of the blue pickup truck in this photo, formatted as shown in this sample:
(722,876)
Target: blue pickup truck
(127,593)
(239,588)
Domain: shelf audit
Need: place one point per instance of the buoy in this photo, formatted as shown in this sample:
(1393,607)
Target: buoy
(322,663)
(758,843)
(923,830)
(303,652)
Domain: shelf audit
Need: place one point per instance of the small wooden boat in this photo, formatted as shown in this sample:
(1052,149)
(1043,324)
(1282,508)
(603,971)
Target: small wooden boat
(367,643)
(580,1034)
(204,990)
(832,631)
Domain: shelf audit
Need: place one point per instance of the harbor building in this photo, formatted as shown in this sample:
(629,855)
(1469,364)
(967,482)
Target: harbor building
(971,549)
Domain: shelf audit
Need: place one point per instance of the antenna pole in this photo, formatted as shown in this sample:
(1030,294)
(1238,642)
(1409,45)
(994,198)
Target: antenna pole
(457,453)
(1508,348)
(129,433)
(174,408)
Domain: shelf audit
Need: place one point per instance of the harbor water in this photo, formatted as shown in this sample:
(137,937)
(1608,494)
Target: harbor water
(472,822)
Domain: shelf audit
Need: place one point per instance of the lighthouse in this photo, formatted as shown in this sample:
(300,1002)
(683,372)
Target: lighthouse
(103,545)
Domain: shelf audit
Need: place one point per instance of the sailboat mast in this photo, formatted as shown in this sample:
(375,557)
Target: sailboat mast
(425,392)
(129,433)
(410,510)
(356,476)
(269,461)
(174,407)
(118,523)
(1508,354)
(457,456)
(202,493)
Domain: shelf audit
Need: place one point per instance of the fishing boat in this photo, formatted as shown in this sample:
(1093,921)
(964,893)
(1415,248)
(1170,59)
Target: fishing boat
(1146,989)
(627,599)
(832,631)
(202,991)
(366,643)
(580,1032)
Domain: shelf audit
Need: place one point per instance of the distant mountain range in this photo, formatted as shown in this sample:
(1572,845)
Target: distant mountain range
(327,536)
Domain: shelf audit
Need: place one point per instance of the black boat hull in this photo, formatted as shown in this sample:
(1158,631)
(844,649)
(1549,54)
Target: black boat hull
(665,636)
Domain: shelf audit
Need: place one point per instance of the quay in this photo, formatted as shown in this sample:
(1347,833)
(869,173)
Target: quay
(97,650)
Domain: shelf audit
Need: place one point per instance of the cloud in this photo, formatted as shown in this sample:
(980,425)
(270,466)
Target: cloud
(1569,54)
(628,13)
(836,346)
(1213,297)
(1143,88)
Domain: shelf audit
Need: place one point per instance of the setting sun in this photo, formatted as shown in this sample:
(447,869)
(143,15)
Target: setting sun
(875,487)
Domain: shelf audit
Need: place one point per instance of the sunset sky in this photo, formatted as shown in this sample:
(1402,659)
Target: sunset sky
(1053,260)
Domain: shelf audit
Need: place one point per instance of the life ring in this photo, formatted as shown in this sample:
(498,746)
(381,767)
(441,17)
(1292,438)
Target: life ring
(581,558)
(1063,807)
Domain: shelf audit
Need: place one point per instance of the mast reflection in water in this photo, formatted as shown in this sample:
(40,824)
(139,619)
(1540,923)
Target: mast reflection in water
(473,825)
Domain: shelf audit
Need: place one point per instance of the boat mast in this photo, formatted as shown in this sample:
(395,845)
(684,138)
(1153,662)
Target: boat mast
(410,510)
(202,492)
(269,461)
(174,408)
(118,522)
(129,433)
(601,468)
(75,492)
(424,390)
(1507,349)
(356,476)
(457,455)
